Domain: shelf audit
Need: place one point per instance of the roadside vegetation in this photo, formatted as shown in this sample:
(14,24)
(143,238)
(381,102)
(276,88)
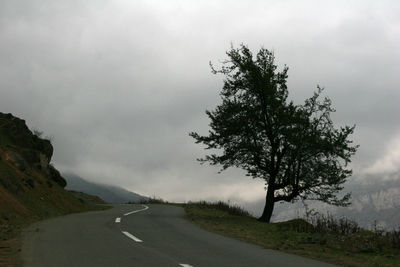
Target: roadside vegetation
(152,200)
(317,236)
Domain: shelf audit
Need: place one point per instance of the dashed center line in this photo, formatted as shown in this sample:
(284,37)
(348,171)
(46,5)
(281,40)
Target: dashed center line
(118,220)
(132,236)
(129,213)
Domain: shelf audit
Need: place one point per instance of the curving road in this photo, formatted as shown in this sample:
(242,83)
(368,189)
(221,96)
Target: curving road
(140,235)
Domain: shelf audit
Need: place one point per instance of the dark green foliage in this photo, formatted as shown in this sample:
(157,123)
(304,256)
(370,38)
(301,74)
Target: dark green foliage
(295,148)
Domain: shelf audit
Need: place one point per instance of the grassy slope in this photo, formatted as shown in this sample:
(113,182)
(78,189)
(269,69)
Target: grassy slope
(289,237)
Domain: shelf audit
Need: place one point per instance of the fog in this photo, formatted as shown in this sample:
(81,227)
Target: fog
(118,85)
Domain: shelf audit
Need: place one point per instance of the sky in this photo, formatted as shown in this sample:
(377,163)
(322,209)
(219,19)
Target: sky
(118,85)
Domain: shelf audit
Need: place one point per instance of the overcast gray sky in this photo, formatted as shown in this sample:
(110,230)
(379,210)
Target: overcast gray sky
(119,84)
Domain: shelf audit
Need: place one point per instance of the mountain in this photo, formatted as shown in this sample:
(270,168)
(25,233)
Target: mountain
(375,201)
(110,194)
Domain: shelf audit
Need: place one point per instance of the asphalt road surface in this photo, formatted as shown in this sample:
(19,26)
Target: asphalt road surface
(140,235)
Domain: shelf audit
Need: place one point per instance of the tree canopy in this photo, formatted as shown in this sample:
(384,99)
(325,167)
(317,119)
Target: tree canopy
(295,148)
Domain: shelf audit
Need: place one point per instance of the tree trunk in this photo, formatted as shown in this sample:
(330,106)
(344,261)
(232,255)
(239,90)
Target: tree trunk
(269,206)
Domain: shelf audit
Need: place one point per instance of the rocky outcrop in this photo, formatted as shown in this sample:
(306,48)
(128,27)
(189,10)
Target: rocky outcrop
(56,176)
(18,134)
(24,149)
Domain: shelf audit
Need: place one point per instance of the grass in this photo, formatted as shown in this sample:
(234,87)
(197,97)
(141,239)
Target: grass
(319,237)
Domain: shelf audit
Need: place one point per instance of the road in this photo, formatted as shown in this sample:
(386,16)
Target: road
(140,235)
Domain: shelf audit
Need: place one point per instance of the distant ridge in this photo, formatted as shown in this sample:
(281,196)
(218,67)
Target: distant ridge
(375,201)
(109,193)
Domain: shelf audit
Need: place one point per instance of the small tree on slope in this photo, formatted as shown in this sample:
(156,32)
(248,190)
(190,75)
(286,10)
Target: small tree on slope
(294,148)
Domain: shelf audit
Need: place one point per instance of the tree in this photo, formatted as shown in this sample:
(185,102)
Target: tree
(295,148)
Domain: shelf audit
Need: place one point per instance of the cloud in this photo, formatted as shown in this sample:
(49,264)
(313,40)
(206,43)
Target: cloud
(119,84)
(389,162)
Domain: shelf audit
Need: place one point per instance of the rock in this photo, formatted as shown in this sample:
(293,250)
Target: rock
(26,150)
(56,176)
(19,135)
(16,159)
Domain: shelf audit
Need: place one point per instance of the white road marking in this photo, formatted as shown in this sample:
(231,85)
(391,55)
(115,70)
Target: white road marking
(129,213)
(132,236)
(127,233)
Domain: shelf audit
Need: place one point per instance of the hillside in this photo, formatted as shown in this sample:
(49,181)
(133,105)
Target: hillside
(109,193)
(31,188)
